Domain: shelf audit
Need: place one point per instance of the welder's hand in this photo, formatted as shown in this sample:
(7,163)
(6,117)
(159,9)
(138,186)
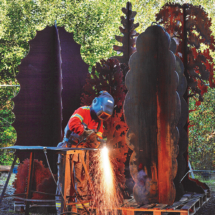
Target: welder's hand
(88,133)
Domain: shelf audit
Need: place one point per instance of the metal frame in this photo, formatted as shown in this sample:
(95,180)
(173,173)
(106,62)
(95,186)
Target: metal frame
(65,151)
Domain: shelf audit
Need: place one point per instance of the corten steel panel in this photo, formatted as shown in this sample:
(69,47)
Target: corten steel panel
(74,72)
(38,104)
(183,138)
(152,111)
(129,35)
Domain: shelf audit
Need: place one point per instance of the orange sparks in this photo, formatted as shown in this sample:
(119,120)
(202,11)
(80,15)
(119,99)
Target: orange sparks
(108,175)
(106,193)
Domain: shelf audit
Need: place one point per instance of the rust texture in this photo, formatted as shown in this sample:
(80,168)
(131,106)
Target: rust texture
(152,111)
(129,35)
(183,139)
(190,26)
(42,180)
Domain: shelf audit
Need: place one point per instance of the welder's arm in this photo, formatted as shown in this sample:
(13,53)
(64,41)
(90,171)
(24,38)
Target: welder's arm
(76,126)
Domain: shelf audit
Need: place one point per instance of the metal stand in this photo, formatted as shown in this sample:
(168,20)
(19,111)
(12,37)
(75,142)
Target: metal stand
(68,169)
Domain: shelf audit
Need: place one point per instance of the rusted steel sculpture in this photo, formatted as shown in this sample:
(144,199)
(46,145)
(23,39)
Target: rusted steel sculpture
(129,39)
(152,111)
(74,73)
(183,139)
(51,77)
(38,104)
(43,181)
(110,78)
(190,26)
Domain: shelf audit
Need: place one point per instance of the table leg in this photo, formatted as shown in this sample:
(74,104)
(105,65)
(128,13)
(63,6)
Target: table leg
(74,209)
(8,178)
(66,182)
(86,171)
(29,184)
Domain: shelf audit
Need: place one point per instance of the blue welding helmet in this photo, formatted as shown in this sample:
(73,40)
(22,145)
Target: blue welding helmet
(103,105)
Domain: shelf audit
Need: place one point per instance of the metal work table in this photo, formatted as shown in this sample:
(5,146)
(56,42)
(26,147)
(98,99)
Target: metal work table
(32,149)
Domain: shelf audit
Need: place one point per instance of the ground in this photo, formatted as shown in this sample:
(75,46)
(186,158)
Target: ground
(7,205)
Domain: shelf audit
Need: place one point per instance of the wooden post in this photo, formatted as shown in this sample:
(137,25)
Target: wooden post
(156,212)
(184,213)
(74,209)
(29,184)
(66,181)
(127,212)
(86,170)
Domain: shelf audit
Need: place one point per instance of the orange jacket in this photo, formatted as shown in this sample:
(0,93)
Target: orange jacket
(80,116)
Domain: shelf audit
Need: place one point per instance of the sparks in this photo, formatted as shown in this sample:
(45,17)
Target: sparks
(106,199)
(108,176)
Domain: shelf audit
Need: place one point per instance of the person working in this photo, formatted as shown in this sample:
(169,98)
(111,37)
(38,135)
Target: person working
(85,125)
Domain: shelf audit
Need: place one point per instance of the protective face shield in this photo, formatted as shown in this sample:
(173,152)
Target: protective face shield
(103,105)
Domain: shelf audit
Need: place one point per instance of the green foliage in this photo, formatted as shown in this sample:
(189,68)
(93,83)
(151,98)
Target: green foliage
(202,132)
(93,23)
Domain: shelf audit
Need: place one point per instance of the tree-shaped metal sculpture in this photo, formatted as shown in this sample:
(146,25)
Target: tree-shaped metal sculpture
(152,110)
(38,106)
(108,75)
(51,77)
(41,176)
(190,26)
(129,39)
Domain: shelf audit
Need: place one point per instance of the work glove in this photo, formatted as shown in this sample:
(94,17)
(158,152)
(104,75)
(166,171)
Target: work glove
(91,139)
(87,133)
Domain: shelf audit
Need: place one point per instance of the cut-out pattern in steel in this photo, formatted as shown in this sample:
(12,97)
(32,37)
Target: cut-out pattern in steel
(191,26)
(129,35)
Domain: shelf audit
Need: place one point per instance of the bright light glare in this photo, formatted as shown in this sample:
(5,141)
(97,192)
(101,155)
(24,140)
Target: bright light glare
(107,171)
(107,195)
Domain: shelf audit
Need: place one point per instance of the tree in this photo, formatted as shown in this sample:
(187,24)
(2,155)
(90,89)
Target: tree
(202,132)
(93,23)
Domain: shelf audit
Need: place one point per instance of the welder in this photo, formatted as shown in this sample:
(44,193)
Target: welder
(85,125)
